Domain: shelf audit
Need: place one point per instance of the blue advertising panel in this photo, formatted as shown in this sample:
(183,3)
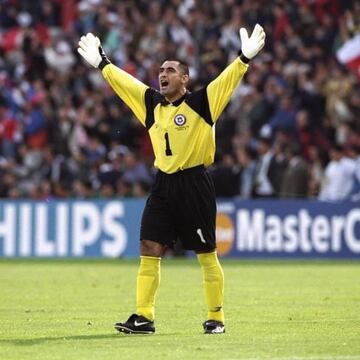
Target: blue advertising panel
(290,228)
(252,228)
(70,228)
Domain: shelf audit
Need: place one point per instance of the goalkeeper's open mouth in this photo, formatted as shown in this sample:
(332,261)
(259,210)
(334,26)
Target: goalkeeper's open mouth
(163,84)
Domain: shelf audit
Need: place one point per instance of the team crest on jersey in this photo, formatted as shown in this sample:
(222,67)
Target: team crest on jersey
(180,120)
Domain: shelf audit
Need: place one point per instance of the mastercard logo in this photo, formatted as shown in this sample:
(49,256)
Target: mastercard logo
(225,234)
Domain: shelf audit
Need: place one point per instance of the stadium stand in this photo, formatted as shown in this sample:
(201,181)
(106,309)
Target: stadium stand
(63,133)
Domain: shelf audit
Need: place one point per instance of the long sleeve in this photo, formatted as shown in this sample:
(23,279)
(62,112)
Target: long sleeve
(129,89)
(219,91)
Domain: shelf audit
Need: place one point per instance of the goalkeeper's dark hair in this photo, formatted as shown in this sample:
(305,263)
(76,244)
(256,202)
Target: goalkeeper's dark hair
(183,65)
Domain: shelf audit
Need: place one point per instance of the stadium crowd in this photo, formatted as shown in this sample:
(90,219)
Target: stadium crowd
(292,129)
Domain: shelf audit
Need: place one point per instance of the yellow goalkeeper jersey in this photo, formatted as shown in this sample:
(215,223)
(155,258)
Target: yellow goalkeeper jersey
(182,133)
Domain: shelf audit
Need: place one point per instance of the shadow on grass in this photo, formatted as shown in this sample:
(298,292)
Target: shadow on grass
(37,341)
(42,340)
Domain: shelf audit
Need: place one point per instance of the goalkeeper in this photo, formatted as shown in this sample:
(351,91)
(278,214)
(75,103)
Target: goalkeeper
(182,203)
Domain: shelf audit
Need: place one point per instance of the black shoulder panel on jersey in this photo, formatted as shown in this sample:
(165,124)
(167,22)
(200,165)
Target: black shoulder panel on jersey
(152,98)
(199,102)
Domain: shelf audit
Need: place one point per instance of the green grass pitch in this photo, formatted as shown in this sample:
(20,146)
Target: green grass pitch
(280,310)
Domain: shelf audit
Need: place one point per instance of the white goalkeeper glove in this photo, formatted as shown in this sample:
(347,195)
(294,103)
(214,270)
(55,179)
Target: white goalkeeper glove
(250,46)
(90,49)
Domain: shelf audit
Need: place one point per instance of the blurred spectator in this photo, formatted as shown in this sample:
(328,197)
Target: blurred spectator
(60,57)
(246,159)
(226,177)
(124,189)
(10,134)
(263,186)
(82,190)
(141,189)
(260,111)
(106,191)
(134,170)
(317,161)
(295,182)
(339,176)
(354,153)
(279,161)
(284,117)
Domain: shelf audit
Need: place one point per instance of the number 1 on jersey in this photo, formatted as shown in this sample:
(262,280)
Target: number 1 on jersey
(168,151)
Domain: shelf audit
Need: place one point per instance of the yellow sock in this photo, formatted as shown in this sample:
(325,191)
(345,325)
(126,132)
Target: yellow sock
(213,277)
(148,280)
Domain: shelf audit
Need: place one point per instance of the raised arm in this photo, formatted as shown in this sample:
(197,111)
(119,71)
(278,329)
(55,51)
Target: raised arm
(219,91)
(129,89)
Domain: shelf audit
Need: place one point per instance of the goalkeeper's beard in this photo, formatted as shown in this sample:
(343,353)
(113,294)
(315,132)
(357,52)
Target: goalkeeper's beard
(172,93)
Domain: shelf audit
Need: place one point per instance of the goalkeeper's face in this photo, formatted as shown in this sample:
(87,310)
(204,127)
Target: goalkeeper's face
(172,80)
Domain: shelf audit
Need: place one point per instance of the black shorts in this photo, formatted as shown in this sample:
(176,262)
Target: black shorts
(181,206)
